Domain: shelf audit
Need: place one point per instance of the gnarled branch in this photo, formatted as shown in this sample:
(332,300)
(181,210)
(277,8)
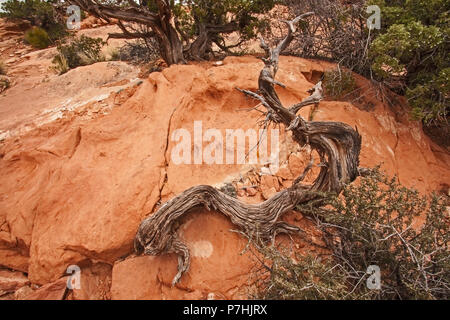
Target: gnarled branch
(337,144)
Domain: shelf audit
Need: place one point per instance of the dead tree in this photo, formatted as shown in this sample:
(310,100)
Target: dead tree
(337,144)
(337,32)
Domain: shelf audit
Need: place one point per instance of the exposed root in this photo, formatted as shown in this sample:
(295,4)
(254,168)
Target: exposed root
(337,144)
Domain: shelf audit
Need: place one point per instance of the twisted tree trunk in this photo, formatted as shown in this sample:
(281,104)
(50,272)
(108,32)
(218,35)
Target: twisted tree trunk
(175,45)
(337,144)
(160,23)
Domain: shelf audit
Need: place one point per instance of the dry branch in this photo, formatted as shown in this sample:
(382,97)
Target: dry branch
(337,144)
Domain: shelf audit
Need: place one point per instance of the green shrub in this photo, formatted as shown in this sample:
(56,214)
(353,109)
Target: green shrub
(114,54)
(60,64)
(205,24)
(37,37)
(39,13)
(338,83)
(411,54)
(373,223)
(57,32)
(300,277)
(79,52)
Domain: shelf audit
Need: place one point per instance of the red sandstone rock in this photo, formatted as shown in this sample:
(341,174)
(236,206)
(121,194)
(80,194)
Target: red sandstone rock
(217,265)
(251,192)
(51,291)
(95,283)
(268,182)
(11,281)
(76,189)
(285,173)
(22,293)
(296,165)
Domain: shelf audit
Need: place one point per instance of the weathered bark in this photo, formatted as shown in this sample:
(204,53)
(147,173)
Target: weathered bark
(337,144)
(160,23)
(207,35)
(175,46)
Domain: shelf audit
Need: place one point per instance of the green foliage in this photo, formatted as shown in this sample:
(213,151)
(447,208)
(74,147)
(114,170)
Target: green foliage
(114,54)
(60,64)
(338,83)
(409,54)
(407,11)
(191,13)
(39,12)
(300,277)
(79,52)
(37,37)
(241,16)
(373,223)
(57,31)
(430,100)
(412,53)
